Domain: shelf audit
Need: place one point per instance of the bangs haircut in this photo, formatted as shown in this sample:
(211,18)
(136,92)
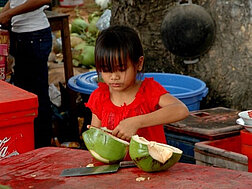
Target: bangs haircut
(115,47)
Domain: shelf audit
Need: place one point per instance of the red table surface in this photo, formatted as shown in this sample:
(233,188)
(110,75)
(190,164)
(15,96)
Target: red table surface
(41,168)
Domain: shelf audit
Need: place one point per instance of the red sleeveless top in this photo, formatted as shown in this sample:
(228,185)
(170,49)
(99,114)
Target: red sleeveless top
(146,101)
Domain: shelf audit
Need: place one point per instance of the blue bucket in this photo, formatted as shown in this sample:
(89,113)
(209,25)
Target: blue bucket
(188,89)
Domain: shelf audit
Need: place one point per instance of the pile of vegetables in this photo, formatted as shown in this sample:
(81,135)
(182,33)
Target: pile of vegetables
(83,36)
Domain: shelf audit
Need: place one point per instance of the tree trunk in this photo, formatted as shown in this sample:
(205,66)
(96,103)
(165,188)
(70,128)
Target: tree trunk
(226,68)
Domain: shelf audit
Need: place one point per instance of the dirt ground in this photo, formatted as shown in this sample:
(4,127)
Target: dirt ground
(56,68)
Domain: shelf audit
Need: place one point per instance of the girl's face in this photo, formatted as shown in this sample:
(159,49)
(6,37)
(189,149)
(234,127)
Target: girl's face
(122,80)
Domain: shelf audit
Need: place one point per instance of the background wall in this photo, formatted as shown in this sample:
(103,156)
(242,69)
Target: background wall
(226,68)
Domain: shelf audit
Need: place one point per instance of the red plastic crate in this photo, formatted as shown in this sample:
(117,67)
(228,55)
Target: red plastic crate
(246,137)
(18,108)
(225,153)
(246,146)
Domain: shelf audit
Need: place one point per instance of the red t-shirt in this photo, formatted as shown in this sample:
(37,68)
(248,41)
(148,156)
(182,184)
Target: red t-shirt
(146,101)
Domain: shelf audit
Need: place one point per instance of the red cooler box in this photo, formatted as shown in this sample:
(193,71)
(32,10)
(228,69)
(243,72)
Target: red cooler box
(18,108)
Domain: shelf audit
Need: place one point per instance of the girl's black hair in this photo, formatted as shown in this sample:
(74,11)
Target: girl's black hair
(115,46)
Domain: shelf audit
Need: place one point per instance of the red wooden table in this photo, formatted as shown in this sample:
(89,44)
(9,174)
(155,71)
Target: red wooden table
(41,168)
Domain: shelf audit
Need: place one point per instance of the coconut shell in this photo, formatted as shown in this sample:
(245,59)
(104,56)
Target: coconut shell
(105,147)
(140,154)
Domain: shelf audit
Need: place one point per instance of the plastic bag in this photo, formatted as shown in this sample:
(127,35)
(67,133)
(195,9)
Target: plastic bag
(55,95)
(104,20)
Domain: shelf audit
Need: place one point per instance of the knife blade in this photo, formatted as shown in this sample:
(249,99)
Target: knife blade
(105,129)
(83,171)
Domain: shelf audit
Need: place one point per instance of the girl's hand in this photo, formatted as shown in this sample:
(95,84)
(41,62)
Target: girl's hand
(126,128)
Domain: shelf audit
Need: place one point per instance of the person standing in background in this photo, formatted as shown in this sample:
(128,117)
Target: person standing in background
(31,43)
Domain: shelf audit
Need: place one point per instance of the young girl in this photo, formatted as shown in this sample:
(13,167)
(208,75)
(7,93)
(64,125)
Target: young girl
(122,103)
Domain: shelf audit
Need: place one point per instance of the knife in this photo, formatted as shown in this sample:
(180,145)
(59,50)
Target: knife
(83,171)
(105,129)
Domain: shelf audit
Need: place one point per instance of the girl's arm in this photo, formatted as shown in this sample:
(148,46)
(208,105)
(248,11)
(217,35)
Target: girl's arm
(172,110)
(29,5)
(95,121)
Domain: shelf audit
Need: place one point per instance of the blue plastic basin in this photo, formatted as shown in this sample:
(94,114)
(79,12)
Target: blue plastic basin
(188,89)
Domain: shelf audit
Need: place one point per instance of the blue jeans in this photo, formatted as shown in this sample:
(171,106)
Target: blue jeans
(31,51)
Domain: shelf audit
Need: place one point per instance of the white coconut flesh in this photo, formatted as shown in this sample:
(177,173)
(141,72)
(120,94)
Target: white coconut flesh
(106,129)
(158,151)
(97,156)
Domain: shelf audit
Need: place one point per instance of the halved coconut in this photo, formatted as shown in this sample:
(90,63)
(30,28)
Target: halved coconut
(151,156)
(105,147)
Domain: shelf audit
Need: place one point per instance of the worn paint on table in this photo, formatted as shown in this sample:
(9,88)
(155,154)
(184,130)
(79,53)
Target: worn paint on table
(41,169)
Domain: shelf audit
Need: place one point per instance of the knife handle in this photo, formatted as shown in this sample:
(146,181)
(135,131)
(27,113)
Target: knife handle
(127,164)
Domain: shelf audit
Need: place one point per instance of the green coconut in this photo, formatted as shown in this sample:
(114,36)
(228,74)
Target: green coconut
(151,156)
(75,40)
(79,26)
(105,147)
(94,15)
(93,29)
(92,26)
(84,54)
(87,56)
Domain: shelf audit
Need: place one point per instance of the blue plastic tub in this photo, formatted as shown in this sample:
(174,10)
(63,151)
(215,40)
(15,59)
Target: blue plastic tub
(188,89)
